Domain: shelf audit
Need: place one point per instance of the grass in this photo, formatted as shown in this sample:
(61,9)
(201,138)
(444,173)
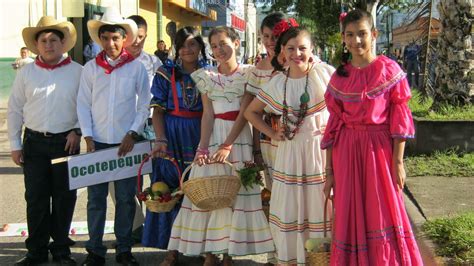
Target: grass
(454,236)
(420,107)
(441,163)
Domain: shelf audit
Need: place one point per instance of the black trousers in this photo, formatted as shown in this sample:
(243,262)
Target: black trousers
(49,202)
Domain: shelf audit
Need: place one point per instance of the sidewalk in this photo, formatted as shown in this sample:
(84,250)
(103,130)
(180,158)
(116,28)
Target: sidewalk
(430,197)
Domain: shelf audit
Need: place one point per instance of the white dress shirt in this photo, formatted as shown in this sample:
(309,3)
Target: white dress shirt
(109,105)
(151,63)
(43,100)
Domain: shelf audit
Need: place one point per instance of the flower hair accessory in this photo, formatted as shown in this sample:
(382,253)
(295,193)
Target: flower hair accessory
(283,26)
(342,16)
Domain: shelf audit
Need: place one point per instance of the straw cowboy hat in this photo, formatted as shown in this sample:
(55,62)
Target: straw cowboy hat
(112,17)
(46,23)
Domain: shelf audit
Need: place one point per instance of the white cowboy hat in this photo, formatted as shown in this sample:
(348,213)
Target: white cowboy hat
(46,23)
(112,17)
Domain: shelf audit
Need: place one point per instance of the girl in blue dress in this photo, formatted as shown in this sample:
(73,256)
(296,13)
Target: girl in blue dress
(177,111)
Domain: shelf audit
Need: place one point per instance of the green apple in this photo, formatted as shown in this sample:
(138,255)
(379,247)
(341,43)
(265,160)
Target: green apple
(311,244)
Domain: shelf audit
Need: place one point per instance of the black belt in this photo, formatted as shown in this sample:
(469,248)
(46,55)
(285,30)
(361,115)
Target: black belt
(46,134)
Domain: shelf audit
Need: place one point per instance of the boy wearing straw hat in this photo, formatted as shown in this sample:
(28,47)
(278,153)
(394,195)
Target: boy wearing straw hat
(112,106)
(43,100)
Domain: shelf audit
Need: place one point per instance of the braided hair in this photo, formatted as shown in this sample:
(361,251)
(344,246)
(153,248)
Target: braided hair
(353,16)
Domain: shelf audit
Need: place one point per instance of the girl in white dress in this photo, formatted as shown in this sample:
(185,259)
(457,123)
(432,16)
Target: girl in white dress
(296,206)
(264,148)
(225,135)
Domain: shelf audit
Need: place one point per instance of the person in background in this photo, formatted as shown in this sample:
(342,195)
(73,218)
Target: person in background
(161,52)
(91,50)
(112,106)
(151,63)
(23,60)
(43,100)
(412,62)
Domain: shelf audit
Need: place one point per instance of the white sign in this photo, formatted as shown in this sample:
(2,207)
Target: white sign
(104,165)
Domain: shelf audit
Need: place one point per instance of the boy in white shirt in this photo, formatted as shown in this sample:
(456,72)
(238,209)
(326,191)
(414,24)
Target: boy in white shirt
(112,107)
(43,100)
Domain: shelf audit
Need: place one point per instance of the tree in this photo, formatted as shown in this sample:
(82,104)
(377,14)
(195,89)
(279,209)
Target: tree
(321,16)
(455,65)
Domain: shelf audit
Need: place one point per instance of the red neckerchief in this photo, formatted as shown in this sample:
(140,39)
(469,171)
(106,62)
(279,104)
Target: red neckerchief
(42,64)
(124,58)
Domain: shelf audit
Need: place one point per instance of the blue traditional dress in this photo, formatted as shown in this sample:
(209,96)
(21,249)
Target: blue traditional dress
(183,110)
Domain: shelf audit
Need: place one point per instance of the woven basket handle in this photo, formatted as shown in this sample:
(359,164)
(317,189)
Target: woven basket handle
(194,164)
(146,159)
(325,215)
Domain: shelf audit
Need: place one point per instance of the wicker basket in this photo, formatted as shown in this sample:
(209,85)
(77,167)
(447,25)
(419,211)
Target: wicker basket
(320,258)
(154,205)
(213,192)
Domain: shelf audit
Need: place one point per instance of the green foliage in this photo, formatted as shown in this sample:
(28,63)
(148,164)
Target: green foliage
(250,175)
(441,163)
(454,236)
(422,106)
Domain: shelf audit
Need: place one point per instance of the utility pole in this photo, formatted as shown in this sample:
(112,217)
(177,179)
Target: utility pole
(246,7)
(159,19)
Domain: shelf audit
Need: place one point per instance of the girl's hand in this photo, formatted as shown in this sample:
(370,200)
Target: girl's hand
(201,159)
(220,155)
(329,185)
(399,175)
(202,156)
(278,135)
(159,150)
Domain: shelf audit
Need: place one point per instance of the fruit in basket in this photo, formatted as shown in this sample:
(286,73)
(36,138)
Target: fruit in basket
(311,244)
(161,187)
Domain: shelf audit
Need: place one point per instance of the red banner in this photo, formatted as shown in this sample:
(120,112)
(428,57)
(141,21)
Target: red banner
(237,23)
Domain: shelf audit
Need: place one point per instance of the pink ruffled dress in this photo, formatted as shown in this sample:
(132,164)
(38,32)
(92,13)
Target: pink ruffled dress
(368,110)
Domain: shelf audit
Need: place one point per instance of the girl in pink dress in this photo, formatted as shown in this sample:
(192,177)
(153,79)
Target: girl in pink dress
(365,139)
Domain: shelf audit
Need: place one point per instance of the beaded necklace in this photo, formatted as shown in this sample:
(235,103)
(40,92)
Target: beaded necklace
(189,101)
(304,99)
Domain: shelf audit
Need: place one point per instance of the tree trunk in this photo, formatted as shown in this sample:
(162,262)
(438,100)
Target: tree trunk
(455,64)
(372,9)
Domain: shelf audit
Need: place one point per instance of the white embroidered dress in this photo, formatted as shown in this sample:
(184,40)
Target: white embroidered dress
(296,206)
(243,229)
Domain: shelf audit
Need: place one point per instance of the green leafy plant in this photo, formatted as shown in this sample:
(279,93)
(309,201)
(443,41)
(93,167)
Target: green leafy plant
(250,175)
(454,236)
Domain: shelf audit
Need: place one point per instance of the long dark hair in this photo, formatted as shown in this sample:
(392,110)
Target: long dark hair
(353,16)
(181,36)
(291,33)
(271,20)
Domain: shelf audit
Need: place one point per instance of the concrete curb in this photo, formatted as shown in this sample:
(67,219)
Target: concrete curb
(425,245)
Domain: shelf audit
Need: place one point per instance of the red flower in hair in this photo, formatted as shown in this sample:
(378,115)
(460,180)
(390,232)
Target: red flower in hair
(342,16)
(283,26)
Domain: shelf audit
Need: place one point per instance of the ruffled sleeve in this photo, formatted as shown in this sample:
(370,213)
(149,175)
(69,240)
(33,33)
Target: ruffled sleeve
(219,87)
(201,78)
(335,121)
(256,79)
(160,89)
(401,120)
